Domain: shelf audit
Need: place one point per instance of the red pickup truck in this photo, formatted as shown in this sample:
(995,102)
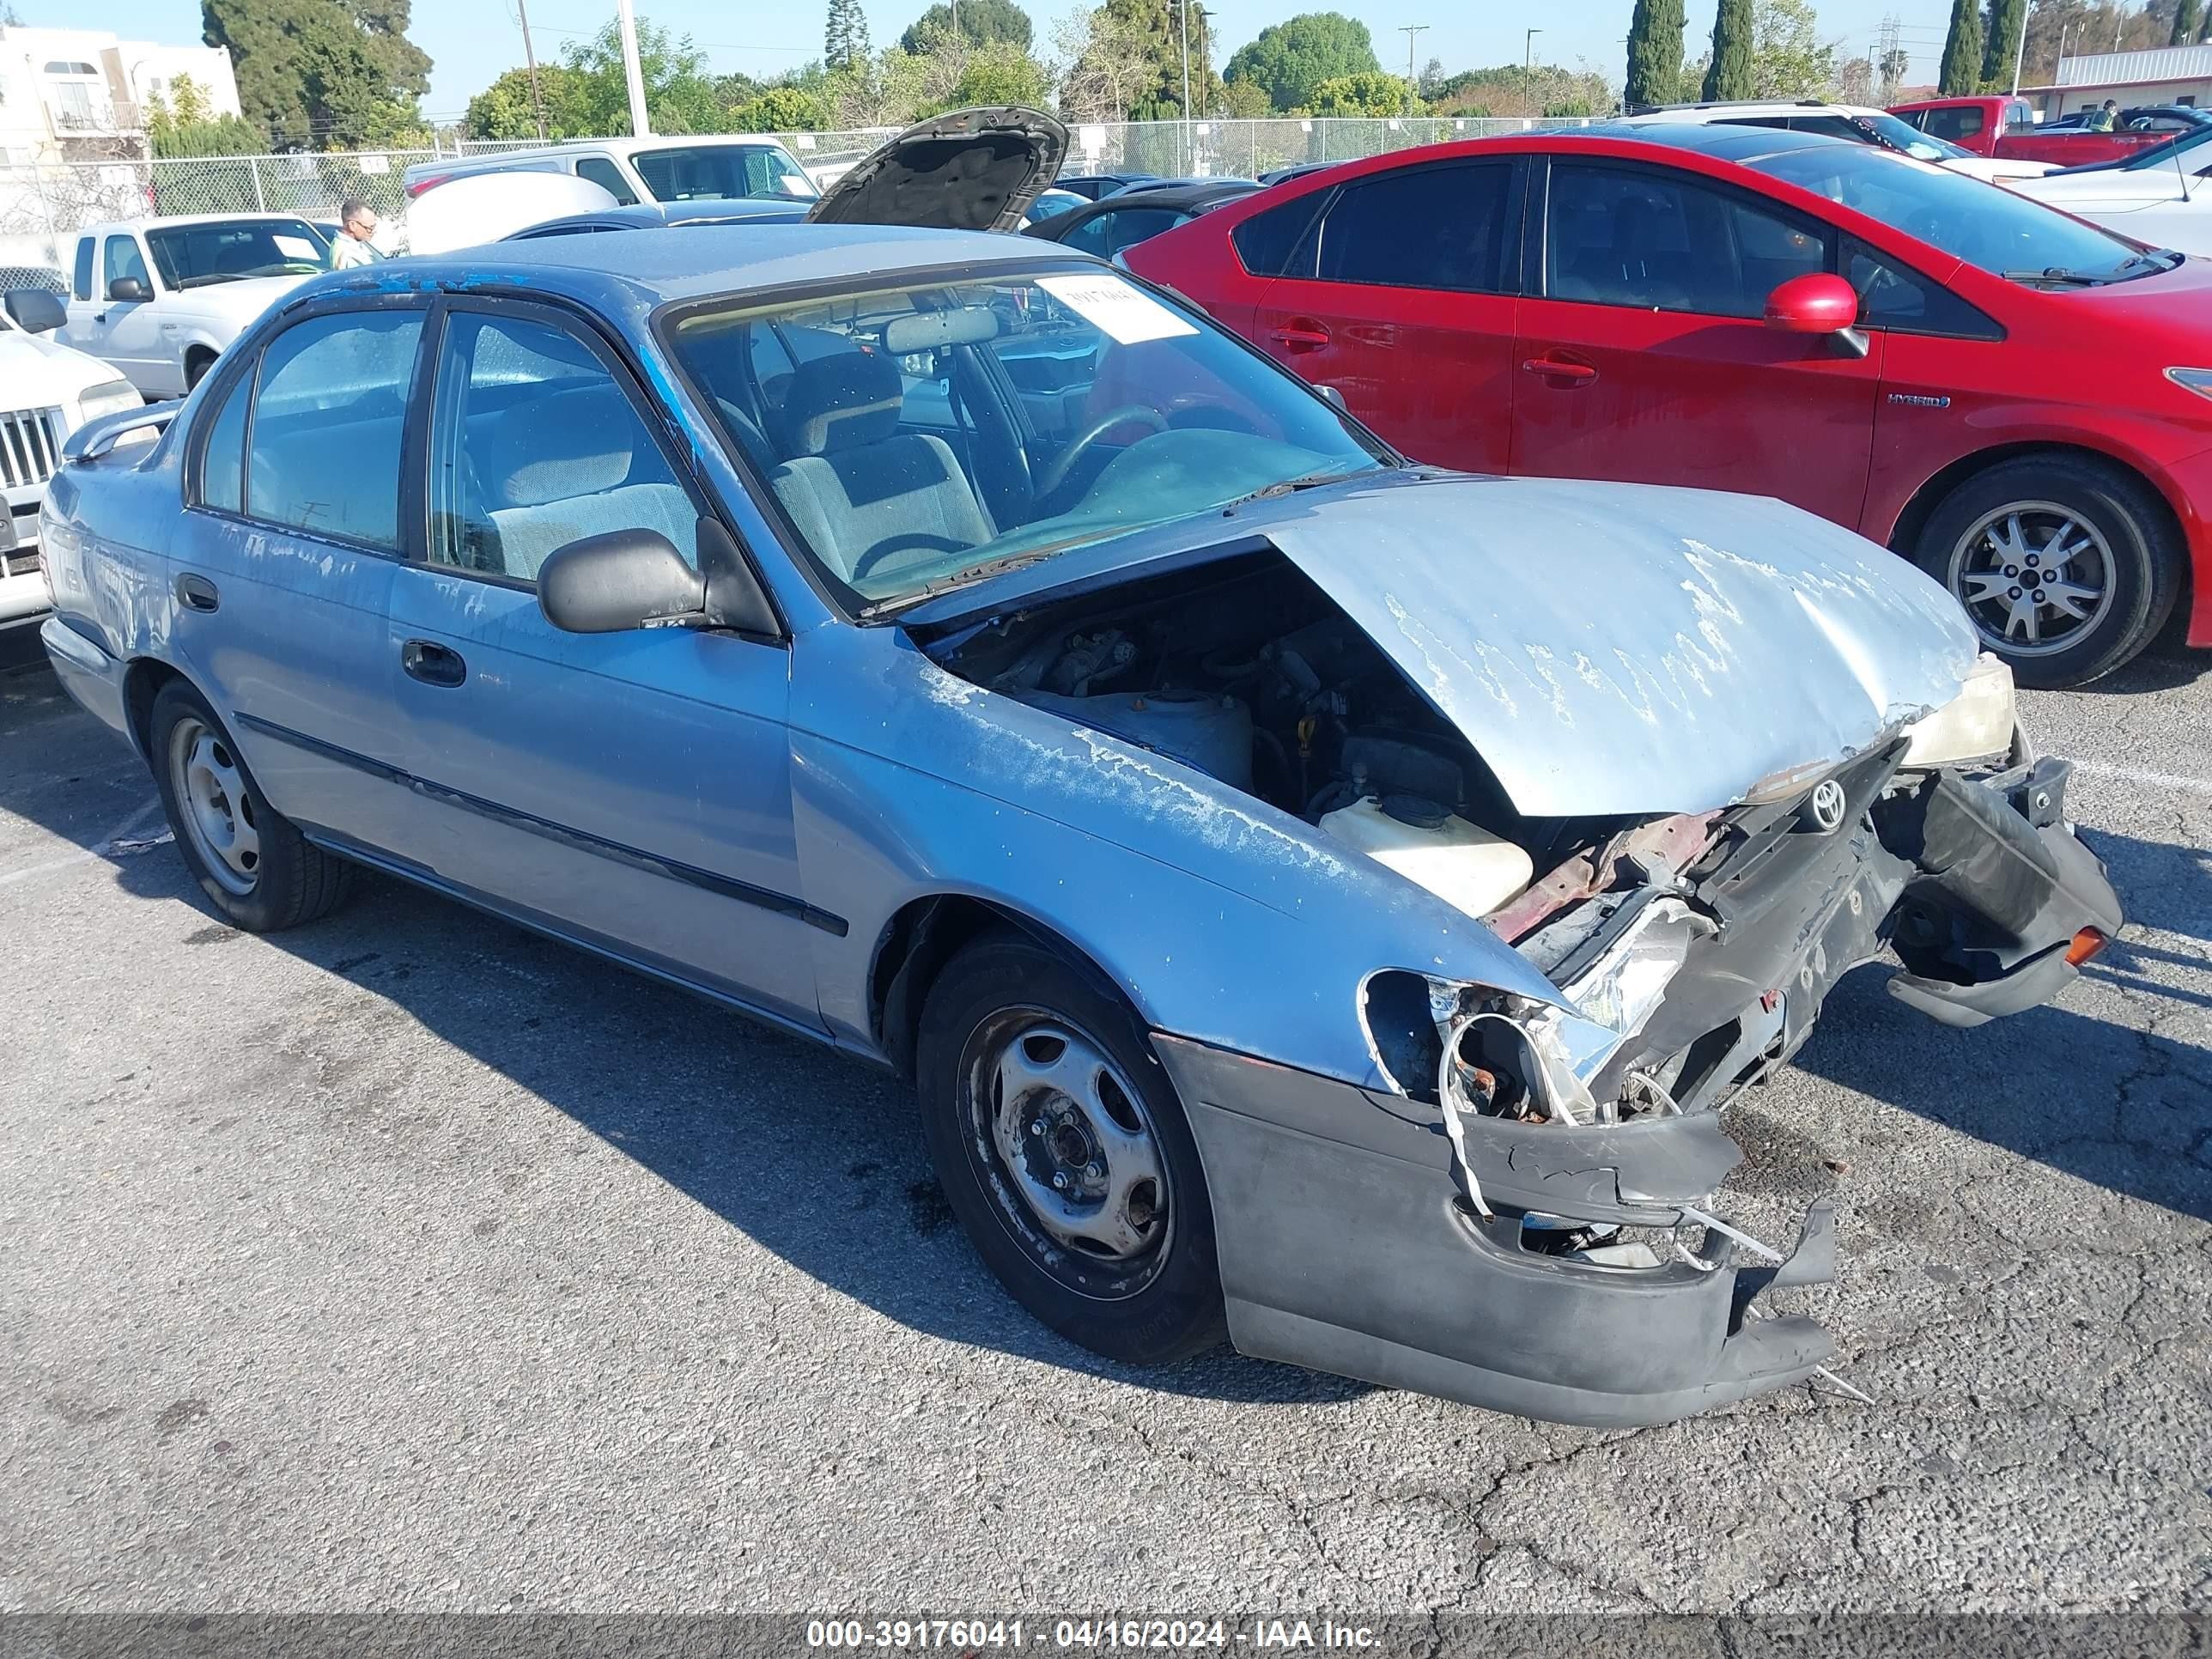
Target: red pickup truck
(2005,128)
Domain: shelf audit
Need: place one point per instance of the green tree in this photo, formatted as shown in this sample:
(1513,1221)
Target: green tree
(183,125)
(505,109)
(1245,101)
(1508,90)
(1371,92)
(321,73)
(982,23)
(780,109)
(1962,50)
(1729,74)
(2001,43)
(845,37)
(1125,60)
(1788,58)
(2188,17)
(1289,60)
(679,95)
(1654,52)
(1002,73)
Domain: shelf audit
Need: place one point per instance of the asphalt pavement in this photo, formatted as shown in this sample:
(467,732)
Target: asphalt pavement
(406,1262)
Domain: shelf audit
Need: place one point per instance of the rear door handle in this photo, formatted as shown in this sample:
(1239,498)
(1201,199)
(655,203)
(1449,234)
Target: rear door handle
(432,664)
(1557,369)
(197,593)
(1301,336)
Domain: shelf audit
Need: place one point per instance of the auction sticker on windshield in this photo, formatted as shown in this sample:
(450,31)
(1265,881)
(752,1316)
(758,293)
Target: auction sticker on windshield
(1124,314)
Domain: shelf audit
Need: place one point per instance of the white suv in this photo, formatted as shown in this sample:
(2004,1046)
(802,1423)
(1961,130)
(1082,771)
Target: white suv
(1855,122)
(46,391)
(725,167)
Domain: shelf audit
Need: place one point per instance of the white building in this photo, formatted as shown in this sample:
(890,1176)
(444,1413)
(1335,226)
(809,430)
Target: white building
(2161,74)
(81,94)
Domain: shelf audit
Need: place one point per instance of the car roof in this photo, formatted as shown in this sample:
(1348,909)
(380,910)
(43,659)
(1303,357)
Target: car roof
(634,274)
(1181,192)
(162,221)
(1752,107)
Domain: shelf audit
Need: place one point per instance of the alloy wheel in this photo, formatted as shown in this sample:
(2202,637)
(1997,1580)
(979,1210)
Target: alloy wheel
(2034,577)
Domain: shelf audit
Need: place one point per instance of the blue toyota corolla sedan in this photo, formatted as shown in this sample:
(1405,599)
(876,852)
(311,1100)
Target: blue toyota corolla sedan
(1320,900)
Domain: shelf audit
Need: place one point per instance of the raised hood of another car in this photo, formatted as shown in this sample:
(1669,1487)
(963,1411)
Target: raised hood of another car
(1606,648)
(974,169)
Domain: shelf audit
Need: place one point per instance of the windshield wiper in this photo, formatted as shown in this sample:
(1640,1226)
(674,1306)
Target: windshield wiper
(1291,486)
(2059,276)
(968,577)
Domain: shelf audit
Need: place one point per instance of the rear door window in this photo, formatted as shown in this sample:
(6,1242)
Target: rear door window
(329,415)
(1276,243)
(1441,227)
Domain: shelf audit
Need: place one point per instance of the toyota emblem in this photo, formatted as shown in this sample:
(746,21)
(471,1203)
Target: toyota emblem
(1827,804)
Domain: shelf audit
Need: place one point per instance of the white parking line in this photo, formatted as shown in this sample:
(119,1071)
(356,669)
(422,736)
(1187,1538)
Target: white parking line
(100,849)
(2137,775)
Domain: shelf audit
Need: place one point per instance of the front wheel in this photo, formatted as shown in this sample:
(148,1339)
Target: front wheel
(1061,1146)
(2067,567)
(256,869)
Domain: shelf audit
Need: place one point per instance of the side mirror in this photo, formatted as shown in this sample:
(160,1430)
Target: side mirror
(34,310)
(1333,396)
(624,579)
(1816,303)
(129,289)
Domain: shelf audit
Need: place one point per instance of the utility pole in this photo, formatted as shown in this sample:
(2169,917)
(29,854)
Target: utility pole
(2020,48)
(529,56)
(1189,160)
(1412,32)
(641,125)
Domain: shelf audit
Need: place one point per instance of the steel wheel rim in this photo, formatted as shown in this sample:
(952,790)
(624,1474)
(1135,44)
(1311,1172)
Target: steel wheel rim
(214,805)
(2035,577)
(1068,1153)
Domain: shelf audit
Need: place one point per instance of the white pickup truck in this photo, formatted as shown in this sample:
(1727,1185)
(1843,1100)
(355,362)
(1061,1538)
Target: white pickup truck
(46,392)
(160,298)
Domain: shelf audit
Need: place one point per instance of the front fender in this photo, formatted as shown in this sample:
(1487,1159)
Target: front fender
(1220,918)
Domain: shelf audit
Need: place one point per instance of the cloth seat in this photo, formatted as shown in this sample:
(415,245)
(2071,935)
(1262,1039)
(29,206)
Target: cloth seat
(868,497)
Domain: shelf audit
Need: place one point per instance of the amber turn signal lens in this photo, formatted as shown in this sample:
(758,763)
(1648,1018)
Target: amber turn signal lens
(2086,944)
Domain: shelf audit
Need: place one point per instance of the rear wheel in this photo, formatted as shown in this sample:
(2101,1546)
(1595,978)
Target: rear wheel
(258,871)
(2067,567)
(1063,1148)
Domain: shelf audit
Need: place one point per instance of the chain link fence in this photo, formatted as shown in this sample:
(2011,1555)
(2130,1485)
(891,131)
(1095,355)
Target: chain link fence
(42,207)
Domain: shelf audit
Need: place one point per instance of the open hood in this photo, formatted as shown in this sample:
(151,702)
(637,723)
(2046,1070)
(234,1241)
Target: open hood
(1606,649)
(974,169)
(1631,649)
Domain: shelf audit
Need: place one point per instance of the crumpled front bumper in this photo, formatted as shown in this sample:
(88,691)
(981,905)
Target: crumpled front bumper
(1345,1238)
(1345,1245)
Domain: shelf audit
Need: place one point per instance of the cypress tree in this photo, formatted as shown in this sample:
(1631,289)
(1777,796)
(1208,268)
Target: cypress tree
(1654,52)
(1962,50)
(2001,47)
(1731,75)
(2188,16)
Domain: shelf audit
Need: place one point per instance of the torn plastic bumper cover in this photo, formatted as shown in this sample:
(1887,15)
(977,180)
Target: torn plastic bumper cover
(1345,1244)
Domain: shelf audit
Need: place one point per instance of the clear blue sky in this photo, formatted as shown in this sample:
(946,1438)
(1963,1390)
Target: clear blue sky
(472,40)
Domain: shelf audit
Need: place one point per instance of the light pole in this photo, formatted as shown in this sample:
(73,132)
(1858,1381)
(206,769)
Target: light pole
(641,125)
(1529,56)
(2019,49)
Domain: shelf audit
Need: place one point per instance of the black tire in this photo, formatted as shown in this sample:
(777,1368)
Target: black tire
(284,880)
(1146,1307)
(196,368)
(2130,550)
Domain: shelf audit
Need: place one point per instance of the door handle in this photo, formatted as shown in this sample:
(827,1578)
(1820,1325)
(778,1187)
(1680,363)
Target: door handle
(432,664)
(1557,369)
(197,593)
(1301,336)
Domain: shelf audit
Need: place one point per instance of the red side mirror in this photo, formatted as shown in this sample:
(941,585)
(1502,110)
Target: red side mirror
(1817,303)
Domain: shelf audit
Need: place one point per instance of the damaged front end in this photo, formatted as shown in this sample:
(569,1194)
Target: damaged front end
(1546,1174)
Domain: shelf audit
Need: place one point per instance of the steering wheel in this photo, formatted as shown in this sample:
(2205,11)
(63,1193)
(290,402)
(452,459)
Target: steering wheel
(1056,474)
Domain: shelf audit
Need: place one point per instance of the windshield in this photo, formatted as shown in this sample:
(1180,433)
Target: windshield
(1887,128)
(1983,224)
(230,249)
(698,171)
(920,437)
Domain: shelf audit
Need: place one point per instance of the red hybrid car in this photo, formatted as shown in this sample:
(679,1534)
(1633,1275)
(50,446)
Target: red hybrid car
(2017,400)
